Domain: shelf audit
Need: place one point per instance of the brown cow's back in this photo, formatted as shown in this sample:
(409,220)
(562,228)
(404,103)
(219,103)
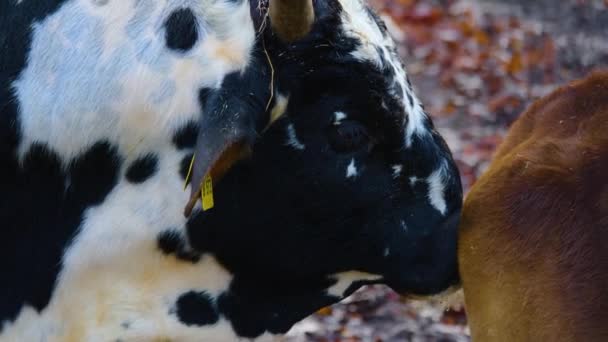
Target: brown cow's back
(534,234)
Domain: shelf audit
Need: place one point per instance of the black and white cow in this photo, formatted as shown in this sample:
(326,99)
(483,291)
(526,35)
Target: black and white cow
(101,101)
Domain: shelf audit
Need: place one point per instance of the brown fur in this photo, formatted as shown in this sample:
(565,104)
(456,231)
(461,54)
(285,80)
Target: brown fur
(533,246)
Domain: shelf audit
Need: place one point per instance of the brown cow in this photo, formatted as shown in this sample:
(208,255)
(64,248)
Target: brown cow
(534,234)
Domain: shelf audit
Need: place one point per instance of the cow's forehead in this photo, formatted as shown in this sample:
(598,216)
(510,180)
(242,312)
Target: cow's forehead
(375,48)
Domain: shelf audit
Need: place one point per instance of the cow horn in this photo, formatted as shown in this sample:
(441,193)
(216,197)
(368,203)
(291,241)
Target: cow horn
(291,19)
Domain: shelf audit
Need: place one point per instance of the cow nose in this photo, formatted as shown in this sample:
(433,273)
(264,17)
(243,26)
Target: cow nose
(433,266)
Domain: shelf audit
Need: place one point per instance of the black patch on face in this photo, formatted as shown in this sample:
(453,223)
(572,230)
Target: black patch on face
(41,210)
(348,136)
(142,169)
(424,157)
(181,30)
(185,137)
(196,308)
(184,165)
(171,242)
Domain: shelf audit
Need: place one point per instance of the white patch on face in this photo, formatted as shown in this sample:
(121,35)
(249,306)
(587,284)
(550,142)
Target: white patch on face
(292,138)
(413,180)
(415,125)
(104,72)
(351,169)
(387,252)
(436,190)
(404,226)
(397,170)
(358,24)
(345,279)
(338,117)
(279,108)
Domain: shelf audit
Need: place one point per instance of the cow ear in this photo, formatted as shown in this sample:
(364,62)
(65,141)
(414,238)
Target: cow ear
(233,116)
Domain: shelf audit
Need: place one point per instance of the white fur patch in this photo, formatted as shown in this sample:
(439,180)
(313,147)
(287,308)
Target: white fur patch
(413,180)
(404,226)
(338,117)
(436,190)
(292,138)
(351,169)
(397,170)
(279,108)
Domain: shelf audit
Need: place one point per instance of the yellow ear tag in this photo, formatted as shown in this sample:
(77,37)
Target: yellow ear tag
(207,193)
(206,190)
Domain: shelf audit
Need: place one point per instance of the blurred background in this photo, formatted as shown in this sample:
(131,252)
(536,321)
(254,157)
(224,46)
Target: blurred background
(476,64)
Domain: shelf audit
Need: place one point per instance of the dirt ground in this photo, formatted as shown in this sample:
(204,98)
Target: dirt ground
(476,64)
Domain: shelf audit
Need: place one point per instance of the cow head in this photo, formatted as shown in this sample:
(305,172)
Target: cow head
(349,185)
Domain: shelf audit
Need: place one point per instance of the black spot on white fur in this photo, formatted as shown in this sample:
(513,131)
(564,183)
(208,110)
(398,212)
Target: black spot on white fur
(181,30)
(171,242)
(185,137)
(142,169)
(196,308)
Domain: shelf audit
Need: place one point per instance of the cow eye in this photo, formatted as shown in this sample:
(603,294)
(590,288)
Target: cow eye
(348,136)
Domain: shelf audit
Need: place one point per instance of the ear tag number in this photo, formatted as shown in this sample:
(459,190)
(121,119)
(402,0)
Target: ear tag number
(207,193)
(206,189)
